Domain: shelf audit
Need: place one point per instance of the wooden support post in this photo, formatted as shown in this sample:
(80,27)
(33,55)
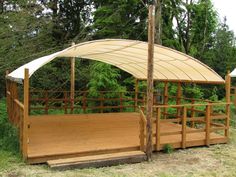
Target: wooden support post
(72,82)
(208,124)
(235,96)
(151,31)
(141,133)
(227,90)
(192,113)
(165,99)
(84,102)
(7,96)
(14,95)
(7,72)
(184,121)
(25,120)
(144,101)
(158,131)
(136,95)
(178,99)
(46,102)
(121,102)
(101,102)
(65,102)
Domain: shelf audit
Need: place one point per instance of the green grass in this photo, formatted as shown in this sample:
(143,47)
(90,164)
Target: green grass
(9,145)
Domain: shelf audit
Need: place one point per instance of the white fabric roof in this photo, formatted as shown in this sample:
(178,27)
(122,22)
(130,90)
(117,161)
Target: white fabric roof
(131,56)
(233,73)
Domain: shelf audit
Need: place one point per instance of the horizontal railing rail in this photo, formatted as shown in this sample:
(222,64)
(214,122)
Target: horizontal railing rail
(208,120)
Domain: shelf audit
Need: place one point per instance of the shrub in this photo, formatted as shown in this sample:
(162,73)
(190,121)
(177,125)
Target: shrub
(168,148)
(8,133)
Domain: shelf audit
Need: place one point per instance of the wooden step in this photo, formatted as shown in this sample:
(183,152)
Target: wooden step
(98,160)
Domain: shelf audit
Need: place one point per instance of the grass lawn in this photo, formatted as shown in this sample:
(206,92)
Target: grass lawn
(218,160)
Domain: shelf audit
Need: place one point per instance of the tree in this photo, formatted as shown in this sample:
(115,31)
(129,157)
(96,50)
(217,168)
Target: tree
(196,22)
(25,33)
(120,19)
(222,56)
(158,21)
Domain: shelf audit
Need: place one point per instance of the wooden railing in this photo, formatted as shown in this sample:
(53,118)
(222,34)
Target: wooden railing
(142,128)
(43,102)
(15,108)
(206,121)
(103,101)
(15,111)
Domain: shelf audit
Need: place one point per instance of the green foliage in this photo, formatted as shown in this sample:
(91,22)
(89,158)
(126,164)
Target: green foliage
(104,77)
(8,133)
(193,91)
(119,19)
(222,56)
(214,96)
(168,148)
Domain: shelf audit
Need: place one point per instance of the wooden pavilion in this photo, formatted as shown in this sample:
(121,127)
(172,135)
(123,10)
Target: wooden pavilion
(117,131)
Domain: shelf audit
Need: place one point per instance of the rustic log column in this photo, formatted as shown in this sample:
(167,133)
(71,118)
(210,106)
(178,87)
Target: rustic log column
(150,80)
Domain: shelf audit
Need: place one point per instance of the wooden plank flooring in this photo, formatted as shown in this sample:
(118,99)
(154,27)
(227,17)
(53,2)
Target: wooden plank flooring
(54,136)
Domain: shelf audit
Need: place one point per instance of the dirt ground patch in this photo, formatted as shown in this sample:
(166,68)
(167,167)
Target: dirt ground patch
(217,161)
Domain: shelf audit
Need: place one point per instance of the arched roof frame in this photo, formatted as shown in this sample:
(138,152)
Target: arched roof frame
(131,56)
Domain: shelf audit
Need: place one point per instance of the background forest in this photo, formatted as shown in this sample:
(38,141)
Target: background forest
(31,29)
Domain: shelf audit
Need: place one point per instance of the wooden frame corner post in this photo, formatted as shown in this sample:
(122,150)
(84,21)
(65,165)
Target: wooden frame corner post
(25,121)
(228,100)
(7,96)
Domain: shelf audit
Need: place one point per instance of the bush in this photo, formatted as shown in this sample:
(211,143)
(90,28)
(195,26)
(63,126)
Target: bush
(168,148)
(8,133)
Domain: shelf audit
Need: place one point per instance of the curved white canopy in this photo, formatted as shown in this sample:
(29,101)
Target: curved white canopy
(131,56)
(233,73)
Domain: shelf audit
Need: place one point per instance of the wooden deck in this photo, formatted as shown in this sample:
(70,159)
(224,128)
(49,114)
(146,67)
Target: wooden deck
(63,136)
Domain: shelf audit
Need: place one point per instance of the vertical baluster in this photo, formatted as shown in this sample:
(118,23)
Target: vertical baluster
(208,124)
(46,102)
(165,99)
(121,102)
(65,102)
(184,121)
(158,129)
(84,102)
(141,134)
(101,102)
(192,113)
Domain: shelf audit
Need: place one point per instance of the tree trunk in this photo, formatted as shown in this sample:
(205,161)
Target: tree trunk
(158,23)
(1,6)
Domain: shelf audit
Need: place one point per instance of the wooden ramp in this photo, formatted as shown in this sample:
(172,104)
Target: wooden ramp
(98,160)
